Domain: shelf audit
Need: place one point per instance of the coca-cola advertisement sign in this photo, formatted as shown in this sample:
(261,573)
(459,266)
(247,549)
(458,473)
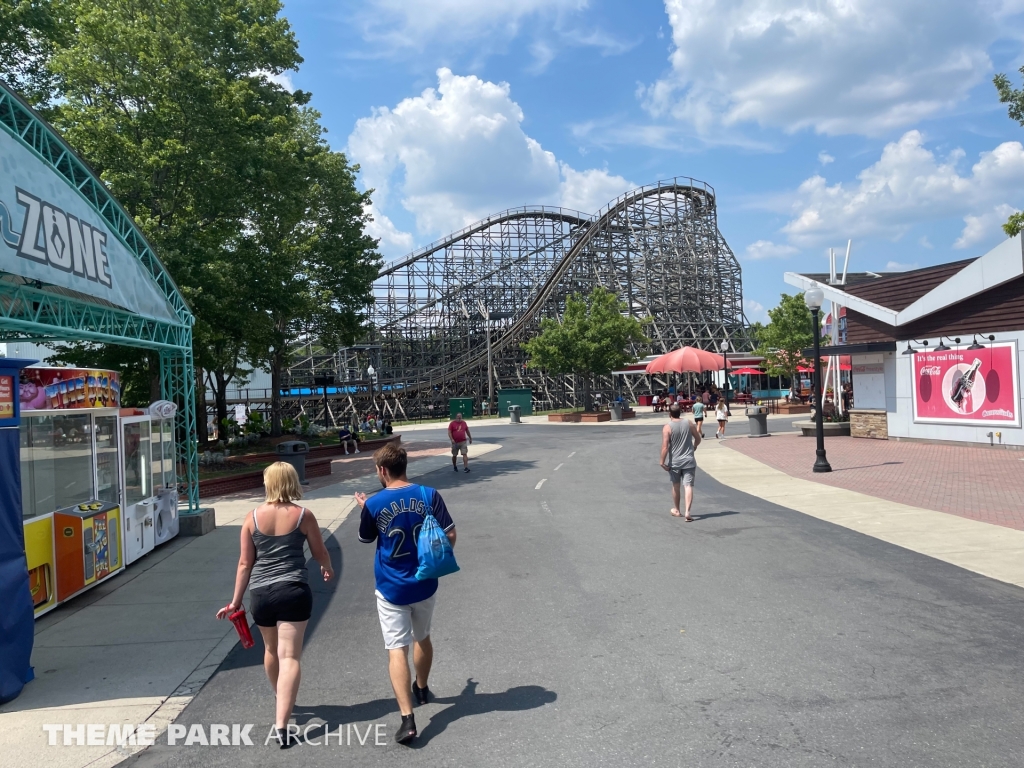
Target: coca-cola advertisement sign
(967,386)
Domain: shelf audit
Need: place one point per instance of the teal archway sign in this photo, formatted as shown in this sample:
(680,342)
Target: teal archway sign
(74,267)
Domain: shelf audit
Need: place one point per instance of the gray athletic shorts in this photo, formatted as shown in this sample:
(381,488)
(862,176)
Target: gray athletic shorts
(682,475)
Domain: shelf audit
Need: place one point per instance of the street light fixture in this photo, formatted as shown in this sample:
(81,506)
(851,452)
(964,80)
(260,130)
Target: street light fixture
(814,297)
(371,374)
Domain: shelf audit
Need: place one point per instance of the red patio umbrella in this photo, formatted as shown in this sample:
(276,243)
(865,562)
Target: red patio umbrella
(749,372)
(686,360)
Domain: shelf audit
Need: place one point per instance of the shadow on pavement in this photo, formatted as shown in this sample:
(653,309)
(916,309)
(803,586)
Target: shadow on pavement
(709,515)
(867,466)
(323,592)
(482,470)
(466,704)
(469,703)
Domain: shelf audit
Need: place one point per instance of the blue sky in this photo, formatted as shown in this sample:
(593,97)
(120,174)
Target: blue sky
(816,121)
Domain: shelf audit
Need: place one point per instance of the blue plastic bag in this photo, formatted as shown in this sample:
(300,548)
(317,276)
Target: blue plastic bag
(436,557)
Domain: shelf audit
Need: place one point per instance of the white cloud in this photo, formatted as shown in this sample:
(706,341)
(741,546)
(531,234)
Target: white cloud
(755,311)
(392,239)
(477,29)
(910,185)
(895,266)
(589,191)
(284,79)
(924,242)
(457,153)
(978,228)
(766,249)
(834,66)
(825,158)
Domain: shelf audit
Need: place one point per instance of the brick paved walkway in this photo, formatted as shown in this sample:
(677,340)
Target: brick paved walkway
(978,483)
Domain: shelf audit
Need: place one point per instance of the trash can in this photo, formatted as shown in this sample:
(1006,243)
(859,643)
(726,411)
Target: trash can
(513,414)
(757,415)
(616,411)
(294,452)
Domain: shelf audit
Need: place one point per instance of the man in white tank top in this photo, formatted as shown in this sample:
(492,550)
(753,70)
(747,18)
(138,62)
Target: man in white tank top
(679,440)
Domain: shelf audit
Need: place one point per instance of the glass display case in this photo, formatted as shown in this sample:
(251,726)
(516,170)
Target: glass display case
(70,490)
(57,461)
(105,430)
(138,472)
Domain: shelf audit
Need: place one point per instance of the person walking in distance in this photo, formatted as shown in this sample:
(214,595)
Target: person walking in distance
(679,440)
(698,416)
(273,565)
(405,604)
(458,433)
(722,416)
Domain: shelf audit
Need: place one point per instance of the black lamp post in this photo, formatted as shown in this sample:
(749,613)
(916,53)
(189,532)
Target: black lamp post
(814,298)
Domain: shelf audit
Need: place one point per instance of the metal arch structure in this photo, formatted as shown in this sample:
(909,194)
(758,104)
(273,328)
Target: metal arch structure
(35,311)
(657,247)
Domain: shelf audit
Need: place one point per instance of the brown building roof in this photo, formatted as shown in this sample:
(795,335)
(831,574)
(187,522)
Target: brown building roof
(898,291)
(996,310)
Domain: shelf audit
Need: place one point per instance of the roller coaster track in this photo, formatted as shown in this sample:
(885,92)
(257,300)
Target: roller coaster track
(584,231)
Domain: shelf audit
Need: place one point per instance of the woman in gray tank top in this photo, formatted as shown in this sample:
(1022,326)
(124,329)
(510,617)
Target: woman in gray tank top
(273,566)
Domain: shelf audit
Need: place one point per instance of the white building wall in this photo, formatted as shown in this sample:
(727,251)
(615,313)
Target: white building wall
(26,350)
(900,404)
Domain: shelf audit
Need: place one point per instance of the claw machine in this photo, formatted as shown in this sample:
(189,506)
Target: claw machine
(137,493)
(70,492)
(165,471)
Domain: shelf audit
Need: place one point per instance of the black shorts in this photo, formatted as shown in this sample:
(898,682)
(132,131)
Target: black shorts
(281,601)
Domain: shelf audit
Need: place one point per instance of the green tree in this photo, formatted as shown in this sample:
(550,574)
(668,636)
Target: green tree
(787,335)
(593,338)
(1015,98)
(313,263)
(172,103)
(29,32)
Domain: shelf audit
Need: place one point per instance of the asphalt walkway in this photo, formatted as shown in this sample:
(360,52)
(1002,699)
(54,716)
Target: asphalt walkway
(590,628)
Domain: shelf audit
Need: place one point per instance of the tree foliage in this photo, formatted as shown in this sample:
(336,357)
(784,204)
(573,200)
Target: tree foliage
(174,103)
(592,338)
(1014,97)
(787,335)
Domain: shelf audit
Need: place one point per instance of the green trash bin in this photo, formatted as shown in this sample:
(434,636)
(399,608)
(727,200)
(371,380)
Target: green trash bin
(463,405)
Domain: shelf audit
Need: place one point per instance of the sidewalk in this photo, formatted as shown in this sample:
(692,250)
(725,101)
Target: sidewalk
(992,548)
(138,647)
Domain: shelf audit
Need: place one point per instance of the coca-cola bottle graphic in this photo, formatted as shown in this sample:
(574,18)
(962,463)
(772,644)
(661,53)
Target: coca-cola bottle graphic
(962,386)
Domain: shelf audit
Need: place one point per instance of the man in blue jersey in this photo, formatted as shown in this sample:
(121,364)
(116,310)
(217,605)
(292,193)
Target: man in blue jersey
(405,605)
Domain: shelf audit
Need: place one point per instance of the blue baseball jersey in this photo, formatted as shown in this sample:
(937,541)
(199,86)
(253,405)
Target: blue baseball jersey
(393,518)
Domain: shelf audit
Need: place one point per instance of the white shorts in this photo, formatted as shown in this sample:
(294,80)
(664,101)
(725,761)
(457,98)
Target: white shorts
(401,624)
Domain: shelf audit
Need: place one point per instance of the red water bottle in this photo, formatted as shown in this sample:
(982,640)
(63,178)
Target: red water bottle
(242,628)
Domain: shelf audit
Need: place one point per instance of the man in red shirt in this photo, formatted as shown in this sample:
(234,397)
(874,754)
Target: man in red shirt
(458,433)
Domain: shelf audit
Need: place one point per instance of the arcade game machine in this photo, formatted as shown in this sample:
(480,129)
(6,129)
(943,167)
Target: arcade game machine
(70,494)
(165,474)
(16,622)
(137,493)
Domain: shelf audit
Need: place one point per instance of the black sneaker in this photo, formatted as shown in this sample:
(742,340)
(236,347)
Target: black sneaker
(285,740)
(466,469)
(422,695)
(407,730)
(454,468)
